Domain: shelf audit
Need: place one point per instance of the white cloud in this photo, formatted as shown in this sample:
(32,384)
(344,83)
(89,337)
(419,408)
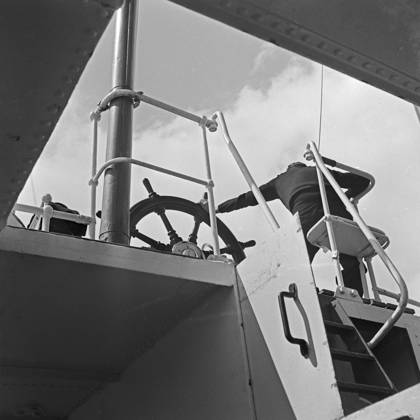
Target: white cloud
(267,51)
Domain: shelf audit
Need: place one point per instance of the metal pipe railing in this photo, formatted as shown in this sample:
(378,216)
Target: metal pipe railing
(372,279)
(210,185)
(396,296)
(402,303)
(361,173)
(334,251)
(47,213)
(137,98)
(209,123)
(205,123)
(95,117)
(93,182)
(247,175)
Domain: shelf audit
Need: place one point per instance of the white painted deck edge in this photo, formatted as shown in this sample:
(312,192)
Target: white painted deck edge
(51,245)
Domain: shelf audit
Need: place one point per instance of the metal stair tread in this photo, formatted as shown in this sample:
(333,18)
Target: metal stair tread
(348,355)
(338,327)
(364,388)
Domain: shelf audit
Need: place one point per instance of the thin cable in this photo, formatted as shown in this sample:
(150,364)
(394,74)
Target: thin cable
(321,106)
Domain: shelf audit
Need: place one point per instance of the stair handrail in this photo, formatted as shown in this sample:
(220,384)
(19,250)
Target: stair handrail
(272,221)
(402,303)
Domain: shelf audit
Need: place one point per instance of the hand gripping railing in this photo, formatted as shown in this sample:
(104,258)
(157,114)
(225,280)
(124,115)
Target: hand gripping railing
(402,303)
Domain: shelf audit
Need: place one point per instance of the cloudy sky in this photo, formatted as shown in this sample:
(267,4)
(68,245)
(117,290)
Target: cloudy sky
(271,100)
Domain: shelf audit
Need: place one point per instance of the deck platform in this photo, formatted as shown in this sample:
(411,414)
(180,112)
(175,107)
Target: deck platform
(74,313)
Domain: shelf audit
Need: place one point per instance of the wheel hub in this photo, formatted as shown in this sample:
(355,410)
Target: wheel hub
(188,249)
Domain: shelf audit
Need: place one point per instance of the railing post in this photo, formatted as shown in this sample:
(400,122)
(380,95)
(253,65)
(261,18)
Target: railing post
(212,213)
(46,217)
(331,237)
(372,279)
(116,190)
(363,278)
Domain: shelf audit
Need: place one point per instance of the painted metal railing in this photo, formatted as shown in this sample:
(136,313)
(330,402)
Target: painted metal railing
(138,97)
(205,124)
(218,116)
(403,296)
(46,213)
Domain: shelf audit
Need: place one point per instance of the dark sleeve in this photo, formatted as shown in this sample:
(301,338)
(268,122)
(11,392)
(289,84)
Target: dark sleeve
(355,184)
(247,199)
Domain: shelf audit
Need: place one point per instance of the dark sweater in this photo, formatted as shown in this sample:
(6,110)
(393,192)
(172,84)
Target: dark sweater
(289,185)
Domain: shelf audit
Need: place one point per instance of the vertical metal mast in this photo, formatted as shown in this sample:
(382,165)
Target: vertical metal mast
(116,191)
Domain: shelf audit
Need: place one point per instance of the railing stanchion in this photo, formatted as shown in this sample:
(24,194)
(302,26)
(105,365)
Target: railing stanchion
(95,117)
(363,278)
(210,186)
(46,217)
(330,230)
(372,279)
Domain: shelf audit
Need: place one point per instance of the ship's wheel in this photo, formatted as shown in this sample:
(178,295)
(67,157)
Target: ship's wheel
(160,205)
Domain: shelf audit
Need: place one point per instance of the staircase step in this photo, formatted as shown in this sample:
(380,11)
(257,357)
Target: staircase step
(349,355)
(364,388)
(337,327)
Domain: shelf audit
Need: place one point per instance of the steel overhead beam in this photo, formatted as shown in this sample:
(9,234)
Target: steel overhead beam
(45,46)
(376,41)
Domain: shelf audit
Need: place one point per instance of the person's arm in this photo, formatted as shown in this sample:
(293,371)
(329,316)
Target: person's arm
(354,184)
(357,182)
(248,199)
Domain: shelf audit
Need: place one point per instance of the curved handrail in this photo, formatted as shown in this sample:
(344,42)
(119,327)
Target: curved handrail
(361,173)
(245,172)
(389,323)
(94,180)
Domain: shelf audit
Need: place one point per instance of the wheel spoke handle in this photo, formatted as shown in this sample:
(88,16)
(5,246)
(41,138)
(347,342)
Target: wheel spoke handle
(173,236)
(149,188)
(193,235)
(149,241)
(228,249)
